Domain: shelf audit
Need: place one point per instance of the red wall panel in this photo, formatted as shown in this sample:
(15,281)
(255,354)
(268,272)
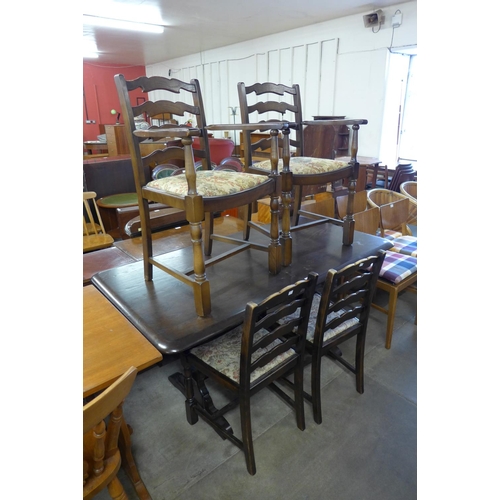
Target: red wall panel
(100,97)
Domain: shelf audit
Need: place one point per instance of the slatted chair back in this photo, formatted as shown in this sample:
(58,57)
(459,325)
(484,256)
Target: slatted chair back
(101,455)
(267,102)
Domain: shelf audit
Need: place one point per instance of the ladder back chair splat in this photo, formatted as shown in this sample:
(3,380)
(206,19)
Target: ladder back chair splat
(251,357)
(101,454)
(305,171)
(199,193)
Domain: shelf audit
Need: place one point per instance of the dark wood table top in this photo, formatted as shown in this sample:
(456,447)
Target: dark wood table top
(163,309)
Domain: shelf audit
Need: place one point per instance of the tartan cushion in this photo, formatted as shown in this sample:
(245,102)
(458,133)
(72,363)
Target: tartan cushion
(397,266)
(209,183)
(406,245)
(223,354)
(389,234)
(304,165)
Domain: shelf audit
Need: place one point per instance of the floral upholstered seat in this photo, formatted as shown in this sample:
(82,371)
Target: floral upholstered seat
(223,354)
(209,183)
(304,165)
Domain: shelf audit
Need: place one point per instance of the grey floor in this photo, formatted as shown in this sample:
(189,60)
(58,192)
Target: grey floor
(366,447)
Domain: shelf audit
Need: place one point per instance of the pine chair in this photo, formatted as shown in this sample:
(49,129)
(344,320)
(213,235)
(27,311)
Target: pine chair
(306,171)
(253,356)
(338,314)
(200,193)
(101,455)
(94,233)
(359,203)
(398,272)
(378,197)
(393,217)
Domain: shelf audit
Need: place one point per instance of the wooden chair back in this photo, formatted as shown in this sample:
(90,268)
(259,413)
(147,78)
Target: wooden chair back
(343,313)
(94,233)
(378,197)
(409,188)
(181,101)
(101,455)
(360,202)
(394,216)
(367,221)
(281,102)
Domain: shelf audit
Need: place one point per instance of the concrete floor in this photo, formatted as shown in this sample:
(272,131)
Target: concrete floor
(366,447)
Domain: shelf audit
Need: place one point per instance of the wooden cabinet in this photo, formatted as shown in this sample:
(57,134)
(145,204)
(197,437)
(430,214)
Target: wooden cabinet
(117,142)
(326,141)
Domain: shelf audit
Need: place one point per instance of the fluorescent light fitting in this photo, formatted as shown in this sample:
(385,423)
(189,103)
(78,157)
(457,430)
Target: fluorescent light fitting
(107,22)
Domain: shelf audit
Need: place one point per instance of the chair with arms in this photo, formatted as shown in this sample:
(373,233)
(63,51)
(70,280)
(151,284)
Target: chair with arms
(268,344)
(306,171)
(94,233)
(409,188)
(199,192)
(101,455)
(378,197)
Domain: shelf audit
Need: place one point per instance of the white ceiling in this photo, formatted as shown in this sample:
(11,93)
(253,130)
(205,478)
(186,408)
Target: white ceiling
(193,26)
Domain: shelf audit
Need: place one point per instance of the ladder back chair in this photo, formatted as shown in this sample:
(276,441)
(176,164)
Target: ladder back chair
(251,357)
(339,313)
(94,233)
(265,102)
(200,192)
(101,454)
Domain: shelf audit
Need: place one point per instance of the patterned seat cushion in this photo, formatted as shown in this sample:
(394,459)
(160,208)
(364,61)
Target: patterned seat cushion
(210,183)
(303,165)
(223,354)
(389,234)
(397,267)
(406,245)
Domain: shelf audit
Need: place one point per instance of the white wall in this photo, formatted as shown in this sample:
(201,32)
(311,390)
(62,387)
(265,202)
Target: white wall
(340,65)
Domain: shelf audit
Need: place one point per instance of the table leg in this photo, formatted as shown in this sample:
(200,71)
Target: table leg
(128,461)
(200,400)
